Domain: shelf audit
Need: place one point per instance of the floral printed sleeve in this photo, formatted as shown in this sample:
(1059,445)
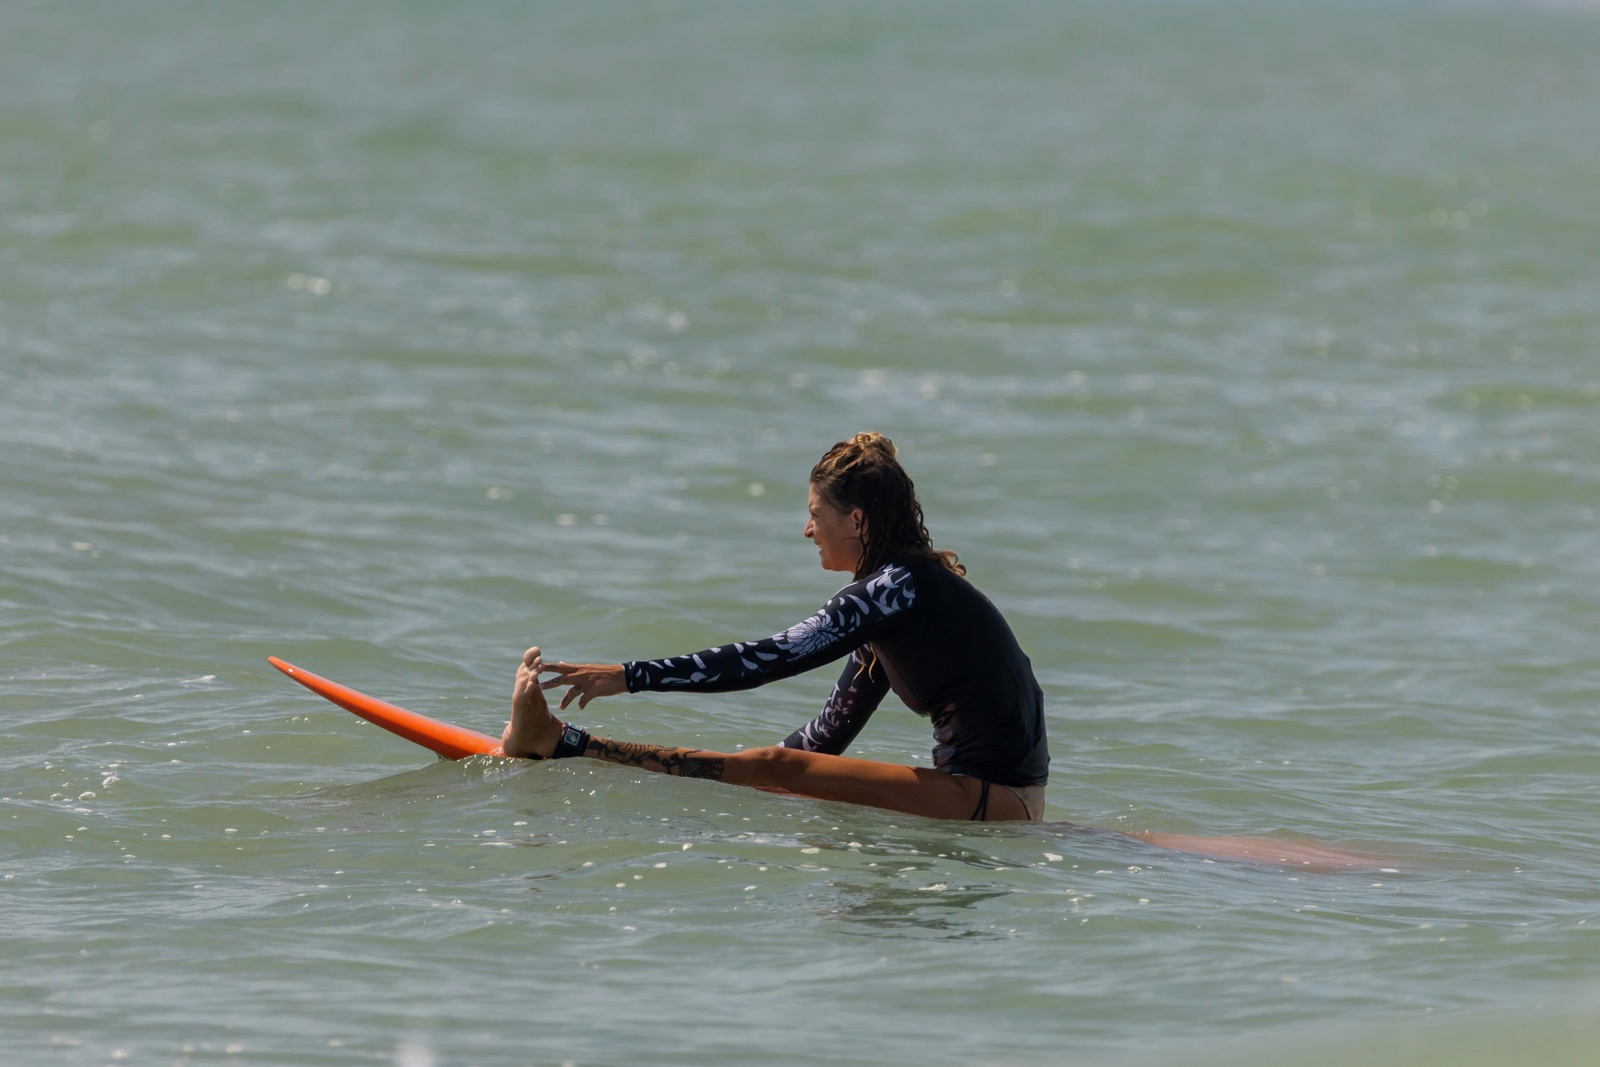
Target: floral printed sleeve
(855,614)
(856,696)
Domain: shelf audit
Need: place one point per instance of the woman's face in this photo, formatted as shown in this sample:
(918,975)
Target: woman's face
(837,533)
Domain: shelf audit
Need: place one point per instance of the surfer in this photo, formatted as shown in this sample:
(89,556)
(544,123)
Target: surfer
(909,621)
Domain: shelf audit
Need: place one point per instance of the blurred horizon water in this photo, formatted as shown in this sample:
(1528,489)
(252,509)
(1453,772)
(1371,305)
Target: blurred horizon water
(1246,352)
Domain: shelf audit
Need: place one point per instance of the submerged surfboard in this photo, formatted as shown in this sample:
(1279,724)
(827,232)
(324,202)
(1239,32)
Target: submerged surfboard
(456,742)
(450,742)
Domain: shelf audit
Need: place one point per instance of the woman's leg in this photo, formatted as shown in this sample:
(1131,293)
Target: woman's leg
(533,732)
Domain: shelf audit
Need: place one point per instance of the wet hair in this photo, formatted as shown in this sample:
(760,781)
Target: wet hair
(863,473)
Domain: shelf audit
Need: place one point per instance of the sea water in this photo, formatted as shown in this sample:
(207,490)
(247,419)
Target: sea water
(1246,353)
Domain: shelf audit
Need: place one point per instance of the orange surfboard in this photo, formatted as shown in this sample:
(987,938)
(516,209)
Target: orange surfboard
(450,742)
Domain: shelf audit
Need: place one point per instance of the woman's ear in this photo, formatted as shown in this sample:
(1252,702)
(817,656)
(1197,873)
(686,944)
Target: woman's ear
(859,518)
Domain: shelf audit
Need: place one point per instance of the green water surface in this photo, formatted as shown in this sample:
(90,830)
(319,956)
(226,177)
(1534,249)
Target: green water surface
(1246,352)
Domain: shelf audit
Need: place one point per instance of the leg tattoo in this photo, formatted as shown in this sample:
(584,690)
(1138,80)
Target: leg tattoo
(683,762)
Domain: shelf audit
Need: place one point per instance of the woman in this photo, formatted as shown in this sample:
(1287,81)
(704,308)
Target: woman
(909,621)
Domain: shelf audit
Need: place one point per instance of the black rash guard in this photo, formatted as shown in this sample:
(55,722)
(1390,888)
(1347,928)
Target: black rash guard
(913,626)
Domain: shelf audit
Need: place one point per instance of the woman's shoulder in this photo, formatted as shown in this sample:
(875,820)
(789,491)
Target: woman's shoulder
(891,588)
(926,570)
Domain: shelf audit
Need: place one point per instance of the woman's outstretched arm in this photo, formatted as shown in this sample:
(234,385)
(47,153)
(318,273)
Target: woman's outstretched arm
(861,687)
(851,618)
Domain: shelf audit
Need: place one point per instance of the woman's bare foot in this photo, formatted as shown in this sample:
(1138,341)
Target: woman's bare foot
(532,732)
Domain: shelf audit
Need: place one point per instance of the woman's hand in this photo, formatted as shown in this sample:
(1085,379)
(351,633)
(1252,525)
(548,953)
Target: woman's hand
(588,680)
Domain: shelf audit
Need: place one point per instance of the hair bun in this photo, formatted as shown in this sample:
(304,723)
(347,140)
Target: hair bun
(873,441)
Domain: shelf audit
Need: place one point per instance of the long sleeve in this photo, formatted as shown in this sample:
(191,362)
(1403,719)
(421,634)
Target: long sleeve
(849,620)
(859,691)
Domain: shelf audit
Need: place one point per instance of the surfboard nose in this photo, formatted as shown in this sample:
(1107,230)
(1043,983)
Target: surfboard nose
(451,742)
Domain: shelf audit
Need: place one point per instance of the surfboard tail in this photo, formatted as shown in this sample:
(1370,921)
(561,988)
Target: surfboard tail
(451,742)
(1268,851)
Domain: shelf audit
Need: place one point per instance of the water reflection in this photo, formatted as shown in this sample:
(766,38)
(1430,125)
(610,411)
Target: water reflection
(892,906)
